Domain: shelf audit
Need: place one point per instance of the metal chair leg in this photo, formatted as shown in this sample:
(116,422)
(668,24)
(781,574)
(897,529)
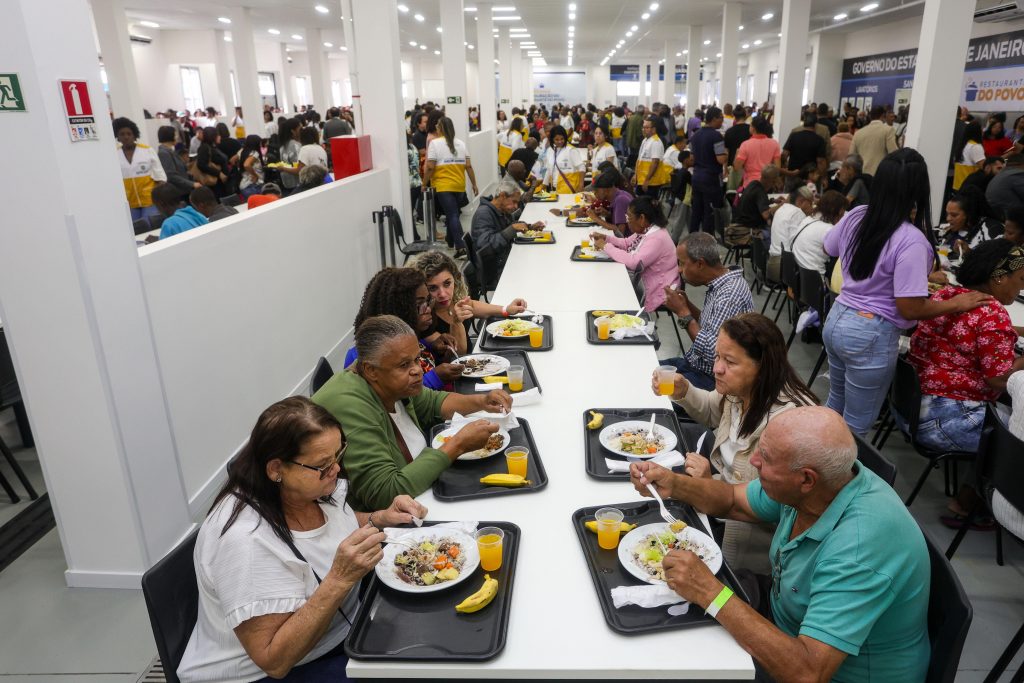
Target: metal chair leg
(817,367)
(920,481)
(779,312)
(999,544)
(18,472)
(951,550)
(1004,659)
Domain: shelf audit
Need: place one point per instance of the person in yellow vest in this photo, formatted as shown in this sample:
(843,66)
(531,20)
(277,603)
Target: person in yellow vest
(564,164)
(617,123)
(509,141)
(651,172)
(602,150)
(238,124)
(445,170)
(140,168)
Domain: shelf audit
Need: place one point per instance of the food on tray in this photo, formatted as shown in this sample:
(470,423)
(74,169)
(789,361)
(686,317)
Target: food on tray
(483,597)
(618,321)
(535,233)
(652,548)
(582,219)
(637,443)
(433,561)
(596,420)
(513,328)
(494,442)
(677,526)
(623,526)
(602,314)
(480,365)
(510,480)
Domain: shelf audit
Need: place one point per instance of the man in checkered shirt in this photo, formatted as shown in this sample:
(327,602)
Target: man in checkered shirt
(728,295)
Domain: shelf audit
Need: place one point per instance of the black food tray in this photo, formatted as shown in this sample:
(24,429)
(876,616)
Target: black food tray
(628,341)
(608,573)
(461,481)
(490,343)
(465,385)
(576,257)
(395,626)
(531,240)
(595,453)
(577,224)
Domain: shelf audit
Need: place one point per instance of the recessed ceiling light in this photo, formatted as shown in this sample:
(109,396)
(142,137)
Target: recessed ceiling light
(840,17)
(572,29)
(645,16)
(629,34)
(273,32)
(868,8)
(779,35)
(654,6)
(227,39)
(423,47)
(707,42)
(321,9)
(328,44)
(296,36)
(686,52)
(757,42)
(745,45)
(149,24)
(439,29)
(634,27)
(679,54)
(418,17)
(437,52)
(508,8)
(572,6)
(403,9)
(718,54)
(343,48)
(767,16)
(521,35)
(470,46)
(506,17)
(224,20)
(469,9)
(740,28)
(517,30)
(572,16)
(413,43)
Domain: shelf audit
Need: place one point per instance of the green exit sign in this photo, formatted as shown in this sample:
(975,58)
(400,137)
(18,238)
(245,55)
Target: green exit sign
(455,100)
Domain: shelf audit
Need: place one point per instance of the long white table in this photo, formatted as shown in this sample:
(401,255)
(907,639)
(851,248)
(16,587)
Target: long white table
(557,629)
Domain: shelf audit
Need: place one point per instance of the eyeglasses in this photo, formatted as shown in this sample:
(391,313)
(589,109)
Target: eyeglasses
(426,304)
(326,468)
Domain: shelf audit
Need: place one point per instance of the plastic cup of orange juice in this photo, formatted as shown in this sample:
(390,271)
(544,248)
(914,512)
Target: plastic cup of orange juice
(536,337)
(517,459)
(572,215)
(585,243)
(603,327)
(608,521)
(515,378)
(488,542)
(666,380)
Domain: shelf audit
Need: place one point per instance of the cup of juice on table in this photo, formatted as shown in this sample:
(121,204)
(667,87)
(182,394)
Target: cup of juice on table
(517,457)
(585,243)
(603,327)
(666,380)
(515,378)
(608,521)
(536,336)
(488,542)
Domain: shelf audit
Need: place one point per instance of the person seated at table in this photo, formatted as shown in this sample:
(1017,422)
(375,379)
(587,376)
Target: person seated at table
(754,383)
(609,193)
(967,221)
(755,208)
(808,245)
(279,557)
(178,218)
(728,295)
(205,202)
(1013,228)
(517,169)
(852,182)
(453,307)
(847,597)
(386,410)
(270,192)
(312,177)
(494,228)
(564,164)
(527,154)
(964,359)
(649,247)
(785,224)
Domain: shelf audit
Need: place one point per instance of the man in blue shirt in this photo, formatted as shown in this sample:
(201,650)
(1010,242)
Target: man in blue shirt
(176,220)
(850,569)
(709,156)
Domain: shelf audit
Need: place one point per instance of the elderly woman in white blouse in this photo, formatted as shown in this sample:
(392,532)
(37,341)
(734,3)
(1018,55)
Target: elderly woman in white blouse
(279,559)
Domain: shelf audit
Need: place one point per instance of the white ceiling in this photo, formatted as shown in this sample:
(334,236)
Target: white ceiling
(599,24)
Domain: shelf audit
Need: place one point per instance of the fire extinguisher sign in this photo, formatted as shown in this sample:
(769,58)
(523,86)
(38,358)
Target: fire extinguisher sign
(78,108)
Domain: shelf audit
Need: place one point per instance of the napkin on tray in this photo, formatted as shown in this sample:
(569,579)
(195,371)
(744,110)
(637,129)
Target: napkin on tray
(506,421)
(468,528)
(669,460)
(625,332)
(654,595)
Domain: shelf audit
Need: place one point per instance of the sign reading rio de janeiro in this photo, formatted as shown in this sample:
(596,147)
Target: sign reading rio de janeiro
(993,79)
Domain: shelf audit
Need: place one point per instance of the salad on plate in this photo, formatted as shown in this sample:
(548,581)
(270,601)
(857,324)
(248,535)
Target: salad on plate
(512,328)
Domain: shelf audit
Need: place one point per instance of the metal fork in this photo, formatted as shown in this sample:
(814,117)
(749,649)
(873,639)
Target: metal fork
(397,541)
(665,514)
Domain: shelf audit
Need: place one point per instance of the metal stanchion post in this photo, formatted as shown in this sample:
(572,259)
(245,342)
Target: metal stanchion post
(378,219)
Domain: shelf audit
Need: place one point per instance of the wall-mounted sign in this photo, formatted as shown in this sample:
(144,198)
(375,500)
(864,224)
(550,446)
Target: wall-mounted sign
(10,93)
(78,107)
(505,101)
(455,99)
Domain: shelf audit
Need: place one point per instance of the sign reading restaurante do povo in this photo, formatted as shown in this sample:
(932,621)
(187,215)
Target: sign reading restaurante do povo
(993,78)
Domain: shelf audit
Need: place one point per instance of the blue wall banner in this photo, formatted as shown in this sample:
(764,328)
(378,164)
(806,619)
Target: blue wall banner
(631,72)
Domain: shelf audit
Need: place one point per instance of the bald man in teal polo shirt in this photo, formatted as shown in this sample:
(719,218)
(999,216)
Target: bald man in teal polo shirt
(850,570)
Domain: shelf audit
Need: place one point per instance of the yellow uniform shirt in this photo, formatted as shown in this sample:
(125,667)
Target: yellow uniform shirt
(602,154)
(140,175)
(508,142)
(652,150)
(449,169)
(565,168)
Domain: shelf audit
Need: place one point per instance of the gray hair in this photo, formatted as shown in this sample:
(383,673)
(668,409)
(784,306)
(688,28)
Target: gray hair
(803,192)
(374,334)
(507,186)
(702,246)
(856,162)
(770,172)
(313,174)
(833,461)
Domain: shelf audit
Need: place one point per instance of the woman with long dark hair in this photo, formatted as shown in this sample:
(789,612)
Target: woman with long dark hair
(886,253)
(279,560)
(212,162)
(252,163)
(446,169)
(968,222)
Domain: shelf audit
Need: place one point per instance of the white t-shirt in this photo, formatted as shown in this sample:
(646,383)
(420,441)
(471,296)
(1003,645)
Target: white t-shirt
(271,128)
(671,157)
(974,154)
(511,139)
(569,159)
(651,149)
(310,155)
(602,154)
(784,226)
(618,121)
(808,244)
(250,572)
(414,438)
(567,122)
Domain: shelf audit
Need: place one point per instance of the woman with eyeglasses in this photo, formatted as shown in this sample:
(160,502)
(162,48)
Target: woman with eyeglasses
(279,558)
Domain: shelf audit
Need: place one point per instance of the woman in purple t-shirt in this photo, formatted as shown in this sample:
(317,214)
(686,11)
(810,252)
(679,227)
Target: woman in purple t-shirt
(886,256)
(607,191)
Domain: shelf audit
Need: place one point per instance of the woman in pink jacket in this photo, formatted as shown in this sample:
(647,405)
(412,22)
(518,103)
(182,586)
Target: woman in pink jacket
(649,248)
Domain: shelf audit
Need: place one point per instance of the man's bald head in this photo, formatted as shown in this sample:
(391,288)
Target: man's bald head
(816,438)
(516,169)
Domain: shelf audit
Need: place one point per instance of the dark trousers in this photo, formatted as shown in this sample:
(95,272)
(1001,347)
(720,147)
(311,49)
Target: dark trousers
(448,202)
(416,196)
(706,198)
(329,667)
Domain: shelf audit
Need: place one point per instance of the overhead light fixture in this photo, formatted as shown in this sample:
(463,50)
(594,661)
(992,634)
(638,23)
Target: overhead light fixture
(437,52)
(645,16)
(469,9)
(403,9)
(423,47)
(517,30)
(439,30)
(718,55)
(654,6)
(224,20)
(418,17)
(521,35)
(634,27)
(149,24)
(506,17)
(572,6)
(757,42)
(707,42)
(507,8)
(661,61)
(321,9)
(840,17)
(868,8)
(740,28)
(745,46)
(273,32)
(779,34)
(296,36)
(572,29)
(679,54)
(328,44)
(227,39)
(686,52)
(572,16)
(470,46)
(343,48)
(767,16)
(629,34)
(497,62)
(413,43)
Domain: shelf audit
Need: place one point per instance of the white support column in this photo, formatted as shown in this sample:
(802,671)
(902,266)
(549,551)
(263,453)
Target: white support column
(693,71)
(417,80)
(286,89)
(668,82)
(378,62)
(826,67)
(505,70)
(731,17)
(591,85)
(116,51)
(319,72)
(353,68)
(527,74)
(645,79)
(223,69)
(94,392)
(515,74)
(796,16)
(453,64)
(485,72)
(945,33)
(245,69)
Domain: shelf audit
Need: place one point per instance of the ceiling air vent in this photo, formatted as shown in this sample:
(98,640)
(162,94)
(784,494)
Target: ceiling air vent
(1004,11)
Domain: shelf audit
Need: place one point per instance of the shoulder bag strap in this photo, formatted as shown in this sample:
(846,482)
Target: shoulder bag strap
(300,556)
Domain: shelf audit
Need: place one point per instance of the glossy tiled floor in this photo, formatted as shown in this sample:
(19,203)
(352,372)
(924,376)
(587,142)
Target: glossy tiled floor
(53,633)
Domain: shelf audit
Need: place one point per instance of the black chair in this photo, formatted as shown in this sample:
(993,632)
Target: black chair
(905,401)
(487,272)
(321,374)
(156,221)
(636,278)
(813,294)
(949,617)
(141,226)
(759,264)
(232,200)
(172,599)
(10,397)
(789,273)
(868,456)
(407,248)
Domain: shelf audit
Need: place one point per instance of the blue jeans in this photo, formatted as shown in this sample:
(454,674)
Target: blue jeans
(696,377)
(862,355)
(145,212)
(449,205)
(948,424)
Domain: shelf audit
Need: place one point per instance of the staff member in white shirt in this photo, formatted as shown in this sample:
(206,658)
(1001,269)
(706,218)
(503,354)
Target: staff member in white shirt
(564,164)
(509,141)
(278,560)
(651,173)
(603,150)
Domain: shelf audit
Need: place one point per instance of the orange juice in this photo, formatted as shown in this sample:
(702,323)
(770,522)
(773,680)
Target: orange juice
(515,378)
(666,375)
(490,552)
(603,328)
(572,215)
(517,460)
(666,388)
(608,535)
(585,244)
(515,385)
(536,339)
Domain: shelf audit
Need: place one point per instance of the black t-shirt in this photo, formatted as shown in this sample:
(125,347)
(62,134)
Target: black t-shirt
(804,147)
(753,204)
(525,155)
(419,139)
(831,124)
(736,136)
(705,145)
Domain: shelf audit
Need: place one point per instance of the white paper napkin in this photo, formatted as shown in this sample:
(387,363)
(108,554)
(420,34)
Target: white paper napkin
(483,386)
(633,331)
(468,528)
(654,595)
(505,421)
(669,460)
(525,398)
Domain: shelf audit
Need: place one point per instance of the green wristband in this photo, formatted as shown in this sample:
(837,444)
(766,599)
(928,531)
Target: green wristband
(719,602)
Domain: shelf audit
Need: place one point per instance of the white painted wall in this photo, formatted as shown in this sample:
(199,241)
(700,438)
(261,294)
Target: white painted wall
(157,65)
(483,151)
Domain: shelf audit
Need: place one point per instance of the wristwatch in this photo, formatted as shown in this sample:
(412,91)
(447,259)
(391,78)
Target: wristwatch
(685,320)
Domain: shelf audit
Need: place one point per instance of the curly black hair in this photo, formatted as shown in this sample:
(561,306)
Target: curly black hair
(124,122)
(392,291)
(979,262)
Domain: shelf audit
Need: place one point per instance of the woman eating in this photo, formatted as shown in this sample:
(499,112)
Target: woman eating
(509,141)
(649,246)
(279,558)
(564,164)
(754,382)
(609,193)
(386,411)
(967,221)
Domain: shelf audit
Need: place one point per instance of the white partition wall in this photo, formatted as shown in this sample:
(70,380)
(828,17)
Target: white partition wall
(483,151)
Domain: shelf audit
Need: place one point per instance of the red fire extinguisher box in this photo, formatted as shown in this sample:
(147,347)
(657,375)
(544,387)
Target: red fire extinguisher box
(350,155)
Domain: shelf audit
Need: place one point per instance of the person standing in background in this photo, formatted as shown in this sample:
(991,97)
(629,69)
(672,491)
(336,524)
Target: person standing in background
(709,156)
(141,169)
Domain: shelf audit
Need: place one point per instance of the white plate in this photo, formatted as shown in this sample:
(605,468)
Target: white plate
(477,454)
(712,553)
(493,328)
(494,364)
(582,220)
(598,254)
(637,323)
(386,571)
(613,430)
